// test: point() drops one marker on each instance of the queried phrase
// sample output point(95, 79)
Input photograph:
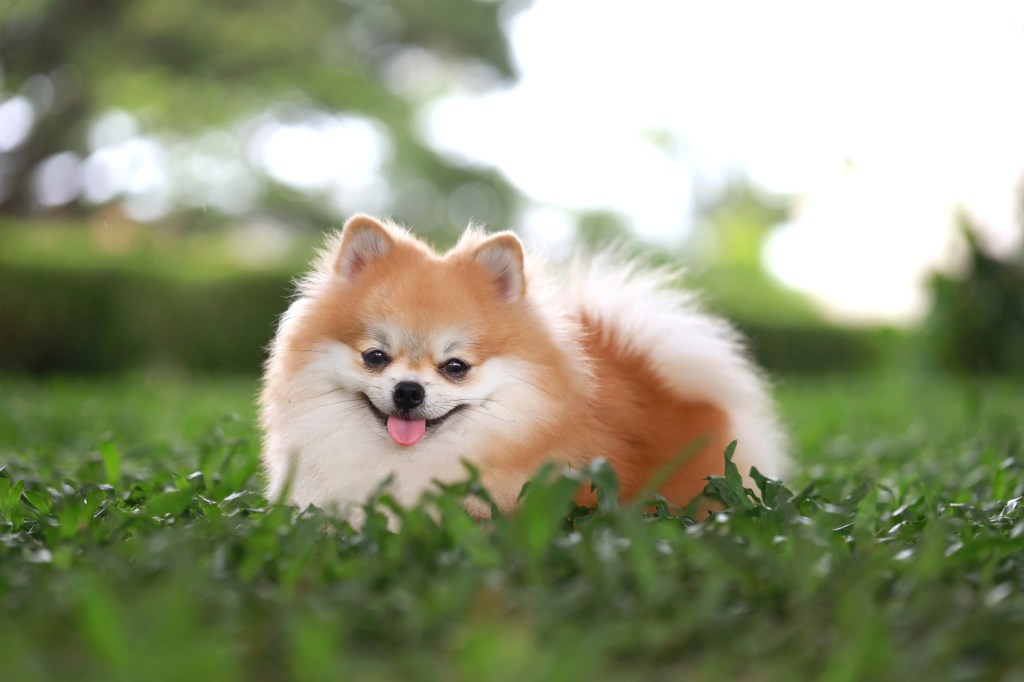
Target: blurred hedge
point(57, 319)
point(805, 348)
point(69, 320)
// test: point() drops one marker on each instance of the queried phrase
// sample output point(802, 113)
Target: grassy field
point(134, 545)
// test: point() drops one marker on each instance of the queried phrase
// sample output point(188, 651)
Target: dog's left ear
point(502, 257)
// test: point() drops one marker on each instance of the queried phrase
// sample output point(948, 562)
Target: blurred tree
point(976, 323)
point(598, 229)
point(738, 220)
point(187, 67)
point(728, 241)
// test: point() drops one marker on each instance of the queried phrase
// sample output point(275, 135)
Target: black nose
point(407, 395)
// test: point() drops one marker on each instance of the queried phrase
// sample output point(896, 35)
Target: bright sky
point(880, 117)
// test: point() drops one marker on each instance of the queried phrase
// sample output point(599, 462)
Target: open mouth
point(403, 430)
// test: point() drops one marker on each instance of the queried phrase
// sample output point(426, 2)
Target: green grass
point(134, 545)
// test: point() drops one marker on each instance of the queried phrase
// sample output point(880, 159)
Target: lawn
point(134, 545)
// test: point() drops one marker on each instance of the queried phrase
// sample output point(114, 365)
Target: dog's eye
point(375, 359)
point(454, 368)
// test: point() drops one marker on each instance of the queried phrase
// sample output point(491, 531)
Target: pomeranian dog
point(396, 361)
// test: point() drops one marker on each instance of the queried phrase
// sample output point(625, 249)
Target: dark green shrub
point(89, 320)
point(805, 348)
point(65, 320)
point(976, 323)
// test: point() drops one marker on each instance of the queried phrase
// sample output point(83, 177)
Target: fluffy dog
point(394, 360)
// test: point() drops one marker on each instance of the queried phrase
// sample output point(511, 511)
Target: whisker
point(508, 409)
point(539, 388)
point(336, 402)
point(488, 414)
point(320, 395)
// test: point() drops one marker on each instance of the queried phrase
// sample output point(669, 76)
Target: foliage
point(751, 294)
point(736, 222)
point(977, 319)
point(68, 305)
point(188, 67)
point(146, 553)
point(600, 229)
point(785, 332)
point(809, 348)
point(100, 320)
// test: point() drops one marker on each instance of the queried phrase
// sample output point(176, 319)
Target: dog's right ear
point(363, 239)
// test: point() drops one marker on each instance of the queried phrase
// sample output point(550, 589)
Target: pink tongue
point(406, 432)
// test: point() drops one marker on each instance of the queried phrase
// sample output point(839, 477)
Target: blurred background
point(846, 183)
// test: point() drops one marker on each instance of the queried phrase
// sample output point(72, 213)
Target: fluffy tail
point(699, 357)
